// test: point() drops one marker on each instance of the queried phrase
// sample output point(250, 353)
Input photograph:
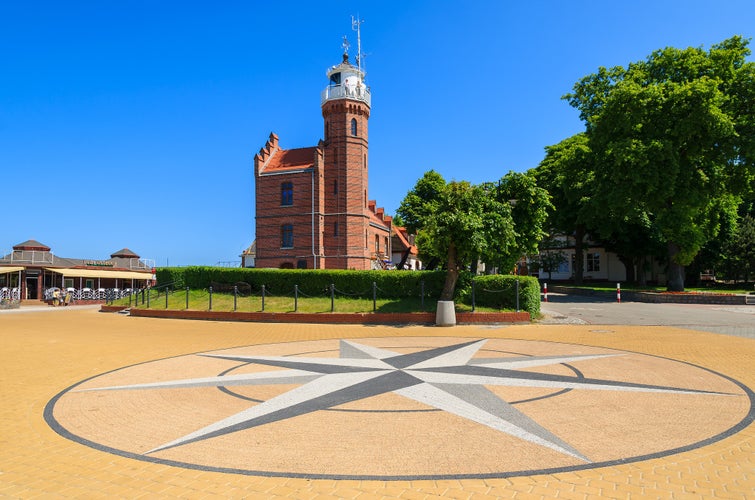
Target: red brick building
point(312, 205)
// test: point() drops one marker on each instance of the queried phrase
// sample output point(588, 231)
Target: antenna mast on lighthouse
point(356, 26)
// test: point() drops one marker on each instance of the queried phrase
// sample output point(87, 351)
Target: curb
point(427, 318)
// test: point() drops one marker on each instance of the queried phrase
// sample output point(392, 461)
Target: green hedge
point(490, 290)
point(499, 291)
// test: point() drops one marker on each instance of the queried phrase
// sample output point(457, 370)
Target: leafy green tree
point(675, 139)
point(530, 206)
point(456, 221)
point(567, 173)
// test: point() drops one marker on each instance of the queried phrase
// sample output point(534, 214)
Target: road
point(729, 320)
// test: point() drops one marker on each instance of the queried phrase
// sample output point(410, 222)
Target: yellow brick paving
point(48, 351)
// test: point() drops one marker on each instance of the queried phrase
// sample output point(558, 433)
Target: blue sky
point(133, 124)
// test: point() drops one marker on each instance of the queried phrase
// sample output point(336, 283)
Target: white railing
point(360, 93)
point(10, 293)
point(88, 293)
point(31, 256)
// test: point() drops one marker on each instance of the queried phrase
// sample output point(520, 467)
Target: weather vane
point(345, 45)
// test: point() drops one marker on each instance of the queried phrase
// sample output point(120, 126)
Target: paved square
point(523, 411)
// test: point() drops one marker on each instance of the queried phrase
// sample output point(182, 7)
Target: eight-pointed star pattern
point(446, 378)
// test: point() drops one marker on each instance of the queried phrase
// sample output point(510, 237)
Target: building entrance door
point(31, 288)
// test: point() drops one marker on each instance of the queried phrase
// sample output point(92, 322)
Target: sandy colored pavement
point(46, 352)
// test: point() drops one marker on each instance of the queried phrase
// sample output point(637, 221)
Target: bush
point(499, 291)
point(496, 291)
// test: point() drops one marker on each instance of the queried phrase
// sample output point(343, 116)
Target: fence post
point(422, 294)
point(263, 298)
point(517, 295)
point(149, 292)
point(210, 309)
point(473, 294)
point(618, 293)
point(187, 297)
point(166, 297)
point(296, 298)
point(332, 297)
point(235, 294)
point(545, 291)
point(374, 296)
point(129, 298)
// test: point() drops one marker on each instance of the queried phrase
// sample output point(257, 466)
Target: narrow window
point(287, 236)
point(335, 187)
point(335, 229)
point(593, 262)
point(287, 193)
point(377, 244)
point(354, 127)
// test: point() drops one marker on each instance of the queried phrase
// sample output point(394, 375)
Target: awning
point(5, 270)
point(102, 273)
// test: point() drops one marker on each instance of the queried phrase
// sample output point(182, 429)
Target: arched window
point(354, 127)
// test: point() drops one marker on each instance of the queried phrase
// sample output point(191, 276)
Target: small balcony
point(358, 93)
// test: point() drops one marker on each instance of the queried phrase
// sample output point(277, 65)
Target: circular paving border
point(403, 408)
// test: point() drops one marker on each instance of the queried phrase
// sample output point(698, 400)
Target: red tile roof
point(284, 160)
point(401, 234)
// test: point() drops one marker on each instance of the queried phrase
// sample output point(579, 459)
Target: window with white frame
point(593, 262)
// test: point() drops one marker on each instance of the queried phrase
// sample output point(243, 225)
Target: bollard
point(296, 298)
point(210, 309)
point(332, 297)
point(187, 297)
point(517, 295)
point(374, 296)
point(618, 293)
point(235, 295)
point(473, 295)
point(263, 298)
point(545, 292)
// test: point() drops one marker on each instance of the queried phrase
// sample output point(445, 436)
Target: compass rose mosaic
point(400, 408)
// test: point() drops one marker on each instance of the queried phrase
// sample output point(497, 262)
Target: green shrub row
point(497, 291)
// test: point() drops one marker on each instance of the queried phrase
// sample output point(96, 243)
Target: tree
point(456, 221)
point(530, 206)
point(566, 173)
point(675, 138)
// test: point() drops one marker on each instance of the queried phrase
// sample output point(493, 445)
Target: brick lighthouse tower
point(312, 204)
point(346, 112)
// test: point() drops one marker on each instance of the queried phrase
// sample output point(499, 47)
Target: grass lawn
point(199, 300)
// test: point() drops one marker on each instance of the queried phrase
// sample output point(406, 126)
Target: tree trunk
point(629, 268)
point(452, 274)
point(642, 277)
point(675, 282)
point(579, 258)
